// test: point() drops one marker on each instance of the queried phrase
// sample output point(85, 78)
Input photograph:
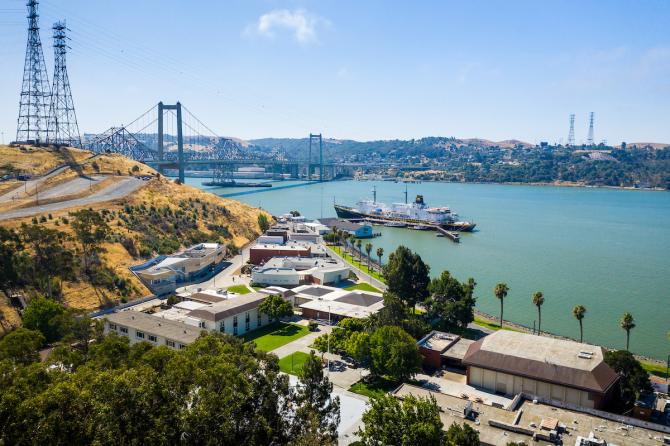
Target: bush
point(312, 325)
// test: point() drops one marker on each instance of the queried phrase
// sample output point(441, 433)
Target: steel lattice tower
point(62, 128)
point(590, 140)
point(35, 92)
point(571, 134)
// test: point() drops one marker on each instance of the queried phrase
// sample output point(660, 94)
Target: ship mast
point(405, 193)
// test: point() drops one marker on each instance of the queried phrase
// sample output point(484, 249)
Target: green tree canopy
point(394, 353)
point(462, 435)
point(407, 276)
point(263, 222)
point(275, 307)
point(91, 229)
point(408, 422)
point(451, 302)
point(21, 346)
point(634, 378)
point(44, 315)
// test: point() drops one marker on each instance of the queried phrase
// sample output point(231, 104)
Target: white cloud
point(299, 22)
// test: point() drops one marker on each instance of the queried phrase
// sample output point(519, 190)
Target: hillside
point(158, 218)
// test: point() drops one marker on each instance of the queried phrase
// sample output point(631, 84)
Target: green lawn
point(275, 335)
point(378, 387)
point(362, 266)
point(293, 363)
point(239, 289)
point(491, 325)
point(363, 287)
point(654, 368)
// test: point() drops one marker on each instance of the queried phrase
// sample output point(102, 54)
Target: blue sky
point(362, 69)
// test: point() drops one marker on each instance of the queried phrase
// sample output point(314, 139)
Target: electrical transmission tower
point(35, 93)
point(590, 140)
point(571, 134)
point(62, 128)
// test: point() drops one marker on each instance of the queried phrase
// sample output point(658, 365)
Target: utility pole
point(62, 126)
point(35, 90)
point(590, 139)
point(571, 134)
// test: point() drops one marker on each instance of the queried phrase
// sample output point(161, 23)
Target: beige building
point(234, 316)
point(510, 363)
point(139, 327)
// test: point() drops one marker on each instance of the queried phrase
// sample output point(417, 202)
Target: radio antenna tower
point(590, 140)
point(62, 128)
point(35, 93)
point(571, 134)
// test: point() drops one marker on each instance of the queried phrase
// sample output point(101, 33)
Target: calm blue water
point(608, 250)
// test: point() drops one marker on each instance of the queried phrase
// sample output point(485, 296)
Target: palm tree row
point(627, 322)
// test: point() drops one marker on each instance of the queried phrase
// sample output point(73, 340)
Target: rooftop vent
point(585, 355)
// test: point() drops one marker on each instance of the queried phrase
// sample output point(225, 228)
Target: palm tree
point(538, 300)
point(627, 323)
point(501, 291)
point(360, 251)
point(578, 312)
point(380, 253)
point(352, 243)
point(368, 248)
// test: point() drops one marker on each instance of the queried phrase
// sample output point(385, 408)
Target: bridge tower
point(313, 138)
point(180, 136)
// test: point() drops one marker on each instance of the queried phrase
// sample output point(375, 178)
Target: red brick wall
point(260, 255)
point(431, 358)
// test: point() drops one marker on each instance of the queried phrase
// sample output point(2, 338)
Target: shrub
point(312, 325)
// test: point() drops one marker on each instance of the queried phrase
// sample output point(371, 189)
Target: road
point(114, 191)
point(30, 185)
point(74, 186)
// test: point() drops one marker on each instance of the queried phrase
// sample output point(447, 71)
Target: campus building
point(235, 316)
point(163, 273)
point(262, 252)
point(509, 363)
point(139, 327)
point(294, 271)
point(440, 349)
point(328, 303)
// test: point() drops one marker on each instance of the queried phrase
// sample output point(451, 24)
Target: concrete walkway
point(365, 277)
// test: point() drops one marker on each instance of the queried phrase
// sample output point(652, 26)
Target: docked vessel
point(416, 214)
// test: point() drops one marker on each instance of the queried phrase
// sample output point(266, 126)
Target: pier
point(451, 235)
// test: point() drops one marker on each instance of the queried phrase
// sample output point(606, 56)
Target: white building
point(139, 327)
point(329, 303)
point(294, 271)
point(234, 316)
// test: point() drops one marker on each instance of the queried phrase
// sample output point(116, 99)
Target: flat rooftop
point(173, 330)
point(531, 418)
point(229, 307)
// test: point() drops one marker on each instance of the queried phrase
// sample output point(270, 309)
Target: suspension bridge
point(171, 137)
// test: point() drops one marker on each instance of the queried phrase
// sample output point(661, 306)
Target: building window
point(181, 346)
point(246, 322)
point(222, 327)
point(234, 321)
point(153, 338)
point(123, 330)
point(139, 334)
point(169, 343)
point(201, 324)
point(112, 326)
point(259, 321)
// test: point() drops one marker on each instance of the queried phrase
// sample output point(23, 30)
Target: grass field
point(362, 266)
point(273, 336)
point(293, 363)
point(375, 388)
point(659, 370)
point(491, 325)
point(363, 287)
point(239, 289)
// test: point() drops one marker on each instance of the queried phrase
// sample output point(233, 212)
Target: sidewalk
point(365, 277)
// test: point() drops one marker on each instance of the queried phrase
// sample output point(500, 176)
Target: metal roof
point(172, 330)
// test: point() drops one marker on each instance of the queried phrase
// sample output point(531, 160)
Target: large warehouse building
point(509, 363)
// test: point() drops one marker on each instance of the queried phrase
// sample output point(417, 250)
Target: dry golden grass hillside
point(160, 217)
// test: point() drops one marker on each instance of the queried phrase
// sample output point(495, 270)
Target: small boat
point(395, 224)
point(439, 234)
point(421, 227)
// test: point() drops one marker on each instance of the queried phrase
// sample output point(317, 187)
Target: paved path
point(120, 189)
point(74, 186)
point(361, 273)
point(30, 185)
point(301, 344)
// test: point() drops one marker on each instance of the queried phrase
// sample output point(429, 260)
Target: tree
point(357, 345)
point(627, 323)
point(538, 300)
point(634, 378)
point(368, 249)
point(91, 230)
point(407, 422)
point(578, 312)
point(295, 213)
point(275, 307)
point(500, 292)
point(43, 315)
point(451, 302)
point(360, 251)
point(9, 258)
point(313, 401)
point(21, 346)
point(380, 253)
point(407, 276)
point(393, 353)
point(462, 435)
point(263, 222)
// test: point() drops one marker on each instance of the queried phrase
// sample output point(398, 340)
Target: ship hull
point(351, 213)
